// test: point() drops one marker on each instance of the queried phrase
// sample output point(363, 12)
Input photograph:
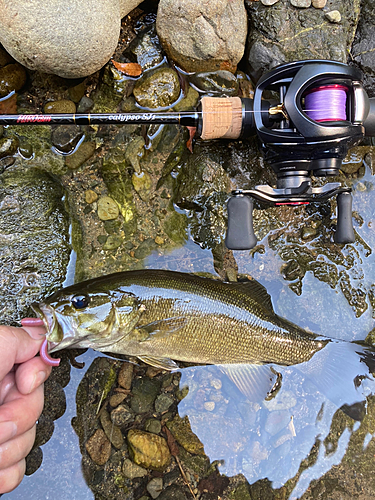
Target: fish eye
point(80, 301)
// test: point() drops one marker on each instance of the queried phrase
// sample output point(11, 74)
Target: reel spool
point(321, 112)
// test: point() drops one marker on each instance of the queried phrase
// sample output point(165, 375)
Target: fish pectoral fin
point(161, 328)
point(163, 363)
point(256, 382)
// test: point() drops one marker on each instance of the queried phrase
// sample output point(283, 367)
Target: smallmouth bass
point(167, 316)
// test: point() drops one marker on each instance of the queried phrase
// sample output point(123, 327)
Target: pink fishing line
point(46, 357)
point(326, 103)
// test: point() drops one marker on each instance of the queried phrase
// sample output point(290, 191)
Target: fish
point(163, 317)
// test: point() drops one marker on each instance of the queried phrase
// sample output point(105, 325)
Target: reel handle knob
point(344, 229)
point(240, 234)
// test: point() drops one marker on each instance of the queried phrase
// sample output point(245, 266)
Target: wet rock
point(34, 240)
point(111, 430)
point(200, 36)
point(216, 82)
point(296, 34)
point(99, 447)
point(80, 43)
point(66, 137)
point(158, 90)
point(60, 107)
point(155, 487)
point(146, 49)
point(269, 2)
point(174, 493)
point(113, 241)
point(144, 392)
point(181, 430)
point(81, 155)
point(118, 81)
point(189, 102)
point(122, 416)
point(363, 52)
point(131, 470)
point(12, 77)
point(8, 146)
point(125, 375)
point(148, 450)
point(145, 248)
point(107, 208)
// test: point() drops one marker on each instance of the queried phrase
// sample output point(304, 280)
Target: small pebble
point(116, 400)
point(159, 240)
point(153, 425)
point(333, 16)
point(125, 375)
point(268, 2)
point(90, 196)
point(107, 208)
point(131, 470)
point(301, 4)
point(155, 486)
point(209, 405)
point(216, 383)
point(99, 447)
point(62, 106)
point(319, 4)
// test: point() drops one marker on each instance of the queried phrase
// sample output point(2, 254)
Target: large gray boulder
point(203, 36)
point(67, 38)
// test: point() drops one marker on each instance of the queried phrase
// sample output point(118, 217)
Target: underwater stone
point(134, 152)
point(5, 58)
point(131, 470)
point(146, 49)
point(107, 208)
point(12, 77)
point(83, 153)
point(66, 137)
point(99, 447)
point(8, 146)
point(276, 421)
point(62, 106)
point(181, 430)
point(144, 392)
point(319, 4)
point(269, 2)
point(122, 415)
point(163, 403)
point(302, 4)
point(148, 450)
point(125, 375)
point(112, 432)
point(77, 92)
point(153, 425)
point(113, 241)
point(145, 248)
point(155, 486)
point(158, 90)
point(218, 82)
point(142, 183)
point(188, 102)
point(85, 105)
point(90, 196)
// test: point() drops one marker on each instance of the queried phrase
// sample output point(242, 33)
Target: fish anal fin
point(256, 382)
point(161, 328)
point(163, 363)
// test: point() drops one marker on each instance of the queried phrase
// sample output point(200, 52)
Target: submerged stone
point(62, 106)
point(107, 208)
point(99, 447)
point(158, 90)
point(148, 450)
point(217, 82)
point(12, 77)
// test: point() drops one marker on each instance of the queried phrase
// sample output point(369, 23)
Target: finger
point(18, 346)
point(13, 451)
point(31, 374)
point(11, 477)
point(22, 411)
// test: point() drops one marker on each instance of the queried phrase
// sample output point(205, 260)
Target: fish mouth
point(54, 334)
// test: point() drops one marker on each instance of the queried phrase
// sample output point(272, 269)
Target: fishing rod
point(306, 114)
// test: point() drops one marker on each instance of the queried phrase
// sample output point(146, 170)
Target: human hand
point(21, 399)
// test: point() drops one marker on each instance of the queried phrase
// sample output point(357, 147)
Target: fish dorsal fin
point(163, 363)
point(256, 291)
point(161, 328)
point(256, 382)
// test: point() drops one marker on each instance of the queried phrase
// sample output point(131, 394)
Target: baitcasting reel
point(322, 110)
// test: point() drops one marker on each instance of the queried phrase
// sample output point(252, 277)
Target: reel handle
point(344, 230)
point(240, 234)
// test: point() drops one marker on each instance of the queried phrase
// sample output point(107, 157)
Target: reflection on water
point(291, 437)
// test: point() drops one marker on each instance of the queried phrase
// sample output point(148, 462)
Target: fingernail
point(7, 431)
point(39, 378)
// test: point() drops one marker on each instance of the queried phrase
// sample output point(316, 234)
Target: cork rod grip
point(222, 118)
